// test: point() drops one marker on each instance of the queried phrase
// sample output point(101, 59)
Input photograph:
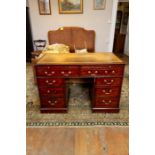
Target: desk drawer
point(50, 82)
point(48, 102)
point(52, 91)
point(107, 91)
point(101, 102)
point(101, 71)
point(57, 71)
point(108, 81)
point(104, 66)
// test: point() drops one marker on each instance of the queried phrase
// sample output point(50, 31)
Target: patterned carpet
point(79, 113)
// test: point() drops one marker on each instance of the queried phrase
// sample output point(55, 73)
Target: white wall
point(27, 3)
point(98, 20)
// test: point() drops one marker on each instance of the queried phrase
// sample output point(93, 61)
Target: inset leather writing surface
point(79, 59)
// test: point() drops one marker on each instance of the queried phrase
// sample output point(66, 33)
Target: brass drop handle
point(69, 72)
point(52, 103)
point(96, 72)
point(62, 72)
point(103, 101)
point(107, 92)
point(52, 91)
point(52, 72)
point(106, 102)
point(89, 72)
point(47, 73)
point(110, 82)
point(51, 82)
point(113, 72)
point(105, 72)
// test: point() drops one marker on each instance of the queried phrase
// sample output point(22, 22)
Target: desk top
point(79, 59)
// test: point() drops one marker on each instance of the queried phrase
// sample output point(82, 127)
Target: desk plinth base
point(106, 110)
point(45, 110)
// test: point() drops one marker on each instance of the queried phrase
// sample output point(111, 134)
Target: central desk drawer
point(57, 71)
point(107, 91)
point(50, 82)
point(49, 102)
point(52, 91)
point(107, 70)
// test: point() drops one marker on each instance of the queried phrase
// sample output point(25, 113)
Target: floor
point(77, 141)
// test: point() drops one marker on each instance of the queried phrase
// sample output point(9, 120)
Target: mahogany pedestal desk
point(104, 69)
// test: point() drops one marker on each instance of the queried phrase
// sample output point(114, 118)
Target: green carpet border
point(77, 124)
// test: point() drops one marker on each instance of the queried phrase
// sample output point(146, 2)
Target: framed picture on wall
point(70, 6)
point(99, 4)
point(44, 7)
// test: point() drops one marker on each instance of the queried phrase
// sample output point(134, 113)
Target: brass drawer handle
point(48, 91)
point(51, 82)
point(52, 72)
point(62, 72)
point(113, 72)
point(109, 82)
point(96, 72)
point(103, 101)
point(106, 72)
point(69, 72)
point(89, 72)
point(106, 102)
point(107, 92)
point(52, 103)
point(47, 73)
